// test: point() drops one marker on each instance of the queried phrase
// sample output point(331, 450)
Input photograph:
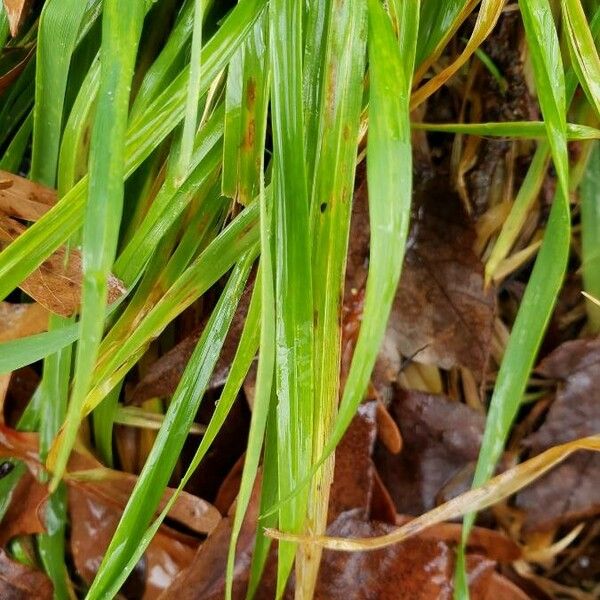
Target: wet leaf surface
point(204, 579)
point(421, 568)
point(25, 514)
point(18, 582)
point(354, 471)
point(572, 490)
point(441, 438)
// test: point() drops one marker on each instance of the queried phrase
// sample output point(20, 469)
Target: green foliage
point(231, 139)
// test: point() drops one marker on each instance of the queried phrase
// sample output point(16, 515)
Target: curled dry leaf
point(572, 490)
point(442, 314)
point(17, 11)
point(441, 439)
point(18, 582)
point(21, 320)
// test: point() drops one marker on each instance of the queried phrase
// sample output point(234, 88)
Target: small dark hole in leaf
point(323, 207)
point(5, 468)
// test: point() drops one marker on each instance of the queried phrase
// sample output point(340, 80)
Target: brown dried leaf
point(440, 438)
point(164, 375)
point(17, 11)
point(18, 582)
point(352, 486)
point(420, 568)
point(572, 490)
point(21, 320)
point(204, 579)
point(96, 505)
point(94, 519)
point(57, 283)
point(25, 513)
point(487, 542)
point(24, 199)
point(441, 314)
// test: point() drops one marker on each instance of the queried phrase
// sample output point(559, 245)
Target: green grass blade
point(120, 39)
point(170, 202)
point(268, 498)
point(294, 323)
point(590, 236)
point(391, 159)
point(517, 129)
point(263, 396)
point(528, 192)
point(178, 420)
point(246, 107)
point(335, 161)
point(72, 162)
point(240, 366)
point(205, 271)
point(190, 121)
point(169, 62)
point(389, 176)
point(59, 26)
point(584, 56)
point(546, 278)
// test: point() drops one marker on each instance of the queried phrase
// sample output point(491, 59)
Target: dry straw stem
point(497, 489)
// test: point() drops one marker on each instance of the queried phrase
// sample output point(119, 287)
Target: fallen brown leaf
point(24, 199)
point(352, 486)
point(95, 507)
point(164, 375)
point(572, 490)
point(204, 579)
point(440, 438)
point(420, 568)
point(16, 11)
point(21, 320)
point(441, 314)
point(18, 582)
point(56, 284)
point(25, 513)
